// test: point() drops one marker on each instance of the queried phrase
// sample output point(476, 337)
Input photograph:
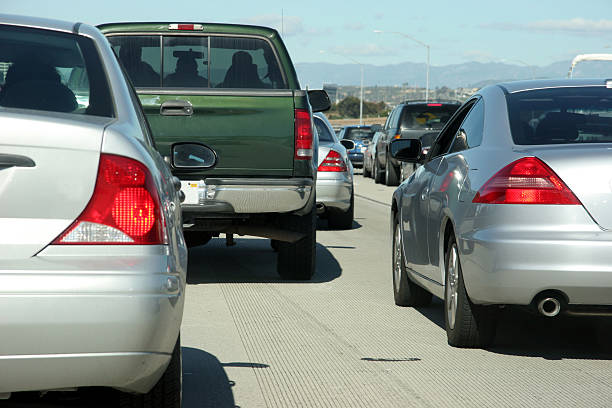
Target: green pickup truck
point(231, 90)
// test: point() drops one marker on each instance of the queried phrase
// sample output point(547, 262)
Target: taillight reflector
point(526, 181)
point(188, 27)
point(333, 162)
point(303, 135)
point(124, 208)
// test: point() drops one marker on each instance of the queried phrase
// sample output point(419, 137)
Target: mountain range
point(468, 74)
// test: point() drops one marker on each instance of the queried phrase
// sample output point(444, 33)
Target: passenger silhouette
point(141, 74)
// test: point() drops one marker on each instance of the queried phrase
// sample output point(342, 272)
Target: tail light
point(303, 135)
point(526, 181)
point(124, 209)
point(333, 162)
point(398, 136)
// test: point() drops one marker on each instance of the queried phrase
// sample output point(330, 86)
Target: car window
point(561, 116)
point(394, 118)
point(426, 116)
point(52, 71)
point(322, 130)
point(141, 58)
point(445, 138)
point(243, 63)
point(470, 133)
point(358, 134)
point(185, 62)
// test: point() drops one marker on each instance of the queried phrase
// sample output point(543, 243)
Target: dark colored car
point(362, 136)
point(408, 120)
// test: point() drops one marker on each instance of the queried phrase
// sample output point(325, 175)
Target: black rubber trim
point(75, 28)
point(259, 182)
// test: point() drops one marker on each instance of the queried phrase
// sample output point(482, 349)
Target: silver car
point(335, 197)
point(512, 206)
point(92, 256)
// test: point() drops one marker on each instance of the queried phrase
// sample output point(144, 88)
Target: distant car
point(408, 120)
point(511, 207)
point(335, 196)
point(361, 136)
point(92, 255)
point(369, 154)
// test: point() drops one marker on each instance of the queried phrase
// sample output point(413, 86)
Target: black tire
point(472, 326)
point(337, 219)
point(391, 174)
point(196, 238)
point(366, 171)
point(274, 244)
point(167, 393)
point(296, 261)
point(378, 175)
point(405, 291)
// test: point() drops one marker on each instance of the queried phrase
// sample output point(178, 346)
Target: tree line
point(349, 108)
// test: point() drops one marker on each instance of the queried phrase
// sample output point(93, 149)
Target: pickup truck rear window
point(179, 61)
point(52, 71)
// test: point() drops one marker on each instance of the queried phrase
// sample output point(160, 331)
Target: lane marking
point(372, 200)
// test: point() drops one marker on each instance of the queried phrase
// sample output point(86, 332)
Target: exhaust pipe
point(549, 306)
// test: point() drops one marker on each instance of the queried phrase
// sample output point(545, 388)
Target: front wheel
point(167, 393)
point(467, 325)
point(366, 171)
point(296, 261)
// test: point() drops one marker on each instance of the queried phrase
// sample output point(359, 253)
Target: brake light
point(434, 104)
point(333, 162)
point(398, 136)
point(188, 27)
point(303, 135)
point(124, 208)
point(526, 181)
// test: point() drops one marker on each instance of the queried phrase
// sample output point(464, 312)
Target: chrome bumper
point(246, 196)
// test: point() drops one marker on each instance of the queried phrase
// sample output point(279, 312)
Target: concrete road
point(251, 339)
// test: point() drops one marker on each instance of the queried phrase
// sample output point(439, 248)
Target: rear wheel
point(467, 325)
point(366, 171)
point(342, 219)
point(296, 261)
point(391, 174)
point(378, 175)
point(168, 391)
point(405, 291)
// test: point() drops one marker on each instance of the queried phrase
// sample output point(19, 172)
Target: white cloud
point(287, 25)
point(578, 26)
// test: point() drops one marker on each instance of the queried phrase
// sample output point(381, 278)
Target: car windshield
point(561, 116)
point(52, 71)
point(358, 134)
point(427, 116)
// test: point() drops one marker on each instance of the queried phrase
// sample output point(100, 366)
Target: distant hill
point(469, 74)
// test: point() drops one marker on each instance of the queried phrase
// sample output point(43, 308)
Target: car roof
point(206, 27)
point(37, 22)
point(522, 86)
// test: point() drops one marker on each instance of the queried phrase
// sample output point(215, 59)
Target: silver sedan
point(335, 197)
point(92, 256)
point(512, 206)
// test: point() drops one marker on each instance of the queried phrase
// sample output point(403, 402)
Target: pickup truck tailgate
point(252, 132)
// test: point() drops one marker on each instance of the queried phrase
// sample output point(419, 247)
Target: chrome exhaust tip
point(549, 306)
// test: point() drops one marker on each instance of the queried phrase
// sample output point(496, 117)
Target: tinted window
point(358, 134)
point(446, 137)
point(185, 62)
point(141, 58)
point(427, 116)
point(51, 71)
point(323, 131)
point(470, 133)
point(561, 116)
point(243, 63)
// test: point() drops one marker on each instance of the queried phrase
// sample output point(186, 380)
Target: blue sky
point(534, 32)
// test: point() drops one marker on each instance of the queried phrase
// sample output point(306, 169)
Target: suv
point(408, 120)
point(233, 89)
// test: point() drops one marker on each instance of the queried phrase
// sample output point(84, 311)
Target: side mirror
point(319, 100)
point(348, 144)
point(193, 156)
point(405, 150)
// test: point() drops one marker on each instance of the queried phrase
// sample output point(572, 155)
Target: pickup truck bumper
point(246, 196)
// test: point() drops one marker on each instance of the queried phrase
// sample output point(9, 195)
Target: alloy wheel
point(452, 283)
point(397, 258)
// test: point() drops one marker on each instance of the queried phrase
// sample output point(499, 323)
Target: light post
point(420, 43)
point(361, 89)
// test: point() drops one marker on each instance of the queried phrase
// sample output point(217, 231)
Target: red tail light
point(303, 135)
point(525, 181)
point(333, 162)
point(124, 209)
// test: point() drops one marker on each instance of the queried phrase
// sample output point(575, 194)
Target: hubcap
point(452, 280)
point(397, 258)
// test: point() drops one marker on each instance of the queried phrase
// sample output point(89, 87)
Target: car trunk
point(587, 171)
point(252, 132)
point(48, 168)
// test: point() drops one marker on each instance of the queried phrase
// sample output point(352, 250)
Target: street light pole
point(420, 43)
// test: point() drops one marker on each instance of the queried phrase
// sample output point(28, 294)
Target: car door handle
point(15, 160)
point(176, 108)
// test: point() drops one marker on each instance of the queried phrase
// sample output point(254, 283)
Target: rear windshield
point(52, 71)
point(172, 61)
point(358, 134)
point(561, 116)
point(426, 116)
point(323, 131)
